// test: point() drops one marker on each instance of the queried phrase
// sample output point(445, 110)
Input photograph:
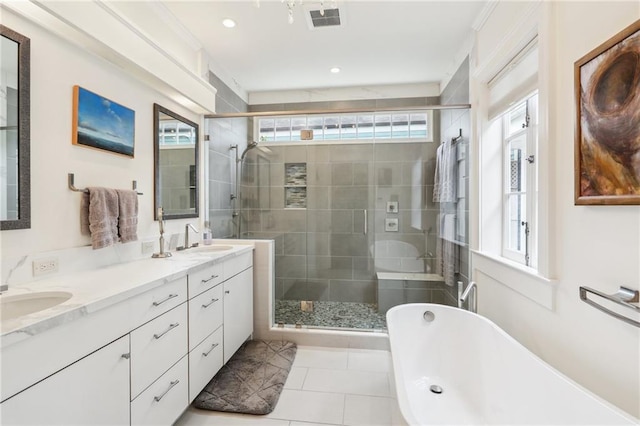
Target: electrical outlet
point(147, 247)
point(45, 266)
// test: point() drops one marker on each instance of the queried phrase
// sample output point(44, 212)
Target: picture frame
point(101, 123)
point(607, 123)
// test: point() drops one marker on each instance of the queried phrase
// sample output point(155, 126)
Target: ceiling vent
point(332, 17)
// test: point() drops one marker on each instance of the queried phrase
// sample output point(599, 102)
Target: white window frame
point(527, 257)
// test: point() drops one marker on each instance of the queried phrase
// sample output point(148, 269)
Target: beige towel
point(127, 215)
point(103, 217)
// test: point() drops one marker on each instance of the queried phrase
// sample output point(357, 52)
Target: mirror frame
point(24, 131)
point(157, 110)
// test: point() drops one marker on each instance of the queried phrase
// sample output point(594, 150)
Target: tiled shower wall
point(224, 132)
point(322, 252)
point(452, 122)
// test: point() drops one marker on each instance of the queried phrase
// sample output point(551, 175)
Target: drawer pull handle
point(169, 297)
point(171, 327)
point(210, 278)
point(125, 356)
point(206, 305)
point(227, 291)
point(171, 385)
point(215, 345)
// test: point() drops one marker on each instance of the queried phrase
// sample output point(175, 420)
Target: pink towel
point(103, 217)
point(127, 215)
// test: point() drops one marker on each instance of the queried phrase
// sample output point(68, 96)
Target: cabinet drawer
point(156, 346)
point(237, 264)
point(155, 302)
point(204, 362)
point(205, 315)
point(165, 400)
point(205, 279)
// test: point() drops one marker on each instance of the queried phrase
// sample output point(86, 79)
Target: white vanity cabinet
point(94, 390)
point(138, 361)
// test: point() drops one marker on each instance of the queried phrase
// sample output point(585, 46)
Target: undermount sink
point(212, 248)
point(24, 304)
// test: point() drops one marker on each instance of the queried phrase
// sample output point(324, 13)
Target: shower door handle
point(366, 222)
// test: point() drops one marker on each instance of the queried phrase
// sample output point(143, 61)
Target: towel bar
point(624, 297)
point(71, 180)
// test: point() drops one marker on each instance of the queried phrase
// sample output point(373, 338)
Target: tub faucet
point(464, 295)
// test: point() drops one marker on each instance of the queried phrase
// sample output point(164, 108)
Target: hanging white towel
point(444, 185)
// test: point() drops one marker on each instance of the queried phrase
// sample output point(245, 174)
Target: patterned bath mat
point(252, 380)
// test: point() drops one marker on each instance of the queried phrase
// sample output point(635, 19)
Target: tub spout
point(467, 296)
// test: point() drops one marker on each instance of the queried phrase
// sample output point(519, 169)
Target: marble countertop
point(100, 288)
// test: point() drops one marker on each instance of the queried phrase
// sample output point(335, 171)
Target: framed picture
point(607, 136)
point(101, 123)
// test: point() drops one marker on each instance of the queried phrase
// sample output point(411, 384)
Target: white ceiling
point(381, 42)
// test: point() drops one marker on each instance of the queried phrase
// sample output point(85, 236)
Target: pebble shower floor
point(363, 316)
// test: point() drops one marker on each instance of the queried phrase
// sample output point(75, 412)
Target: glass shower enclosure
point(354, 224)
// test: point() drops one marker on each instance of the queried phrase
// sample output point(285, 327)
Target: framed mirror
point(176, 164)
point(15, 175)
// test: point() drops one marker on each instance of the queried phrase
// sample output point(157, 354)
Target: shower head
point(247, 149)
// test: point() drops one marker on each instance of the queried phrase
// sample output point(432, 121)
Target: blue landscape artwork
point(101, 123)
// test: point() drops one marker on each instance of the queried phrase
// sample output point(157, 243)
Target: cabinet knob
point(227, 292)
point(125, 356)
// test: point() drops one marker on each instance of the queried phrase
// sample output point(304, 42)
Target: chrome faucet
point(161, 254)
point(464, 295)
point(186, 236)
point(428, 259)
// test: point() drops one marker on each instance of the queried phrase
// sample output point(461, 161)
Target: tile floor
point(326, 386)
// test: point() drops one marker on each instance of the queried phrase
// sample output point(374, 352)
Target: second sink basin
point(212, 248)
point(24, 304)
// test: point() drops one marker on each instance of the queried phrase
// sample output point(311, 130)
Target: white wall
point(596, 246)
point(56, 66)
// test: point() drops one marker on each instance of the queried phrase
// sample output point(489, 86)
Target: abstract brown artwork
point(607, 145)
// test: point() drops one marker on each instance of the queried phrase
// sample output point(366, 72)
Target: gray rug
point(252, 380)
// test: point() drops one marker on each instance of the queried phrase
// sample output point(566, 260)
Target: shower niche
point(295, 186)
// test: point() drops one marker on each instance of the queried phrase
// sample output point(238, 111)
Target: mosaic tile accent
point(295, 174)
point(363, 316)
point(295, 198)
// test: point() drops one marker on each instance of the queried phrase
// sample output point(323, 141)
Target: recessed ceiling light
point(335, 70)
point(229, 23)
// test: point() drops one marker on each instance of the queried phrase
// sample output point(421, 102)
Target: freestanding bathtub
point(483, 375)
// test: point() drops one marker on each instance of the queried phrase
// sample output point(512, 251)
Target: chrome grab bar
point(624, 297)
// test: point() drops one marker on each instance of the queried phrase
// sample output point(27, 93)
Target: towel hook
point(71, 182)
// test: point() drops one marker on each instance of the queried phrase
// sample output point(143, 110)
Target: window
point(400, 126)
point(520, 140)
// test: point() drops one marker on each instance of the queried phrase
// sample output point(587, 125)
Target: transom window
point(396, 125)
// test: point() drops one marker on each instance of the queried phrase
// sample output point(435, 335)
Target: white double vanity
point(132, 343)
